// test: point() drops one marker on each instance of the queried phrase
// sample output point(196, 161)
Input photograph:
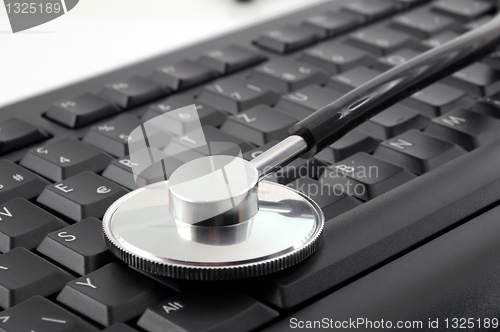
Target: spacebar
point(378, 231)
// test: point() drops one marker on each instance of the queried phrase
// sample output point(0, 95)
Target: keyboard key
point(287, 76)
point(440, 39)
point(113, 136)
point(235, 95)
point(304, 102)
point(287, 39)
point(365, 176)
point(468, 129)
point(371, 10)
point(410, 3)
point(194, 312)
point(23, 224)
point(462, 10)
point(393, 121)
point(194, 143)
point(16, 134)
point(418, 152)
point(395, 59)
point(379, 231)
point(335, 57)
point(437, 99)
point(132, 92)
point(352, 78)
point(40, 315)
point(379, 40)
point(477, 23)
point(351, 143)
point(81, 196)
point(80, 111)
point(331, 24)
point(298, 168)
point(230, 59)
point(113, 293)
point(119, 327)
point(65, 158)
point(259, 125)
point(181, 123)
point(478, 79)
point(488, 107)
point(24, 274)
point(422, 24)
point(16, 181)
point(121, 172)
point(79, 247)
point(183, 75)
point(333, 203)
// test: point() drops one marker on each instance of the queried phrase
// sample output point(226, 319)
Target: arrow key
point(40, 315)
point(84, 195)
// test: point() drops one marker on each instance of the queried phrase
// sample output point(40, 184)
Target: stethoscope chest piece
point(140, 228)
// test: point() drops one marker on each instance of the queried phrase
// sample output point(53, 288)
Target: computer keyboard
point(415, 241)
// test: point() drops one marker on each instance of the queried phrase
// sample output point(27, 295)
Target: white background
point(99, 35)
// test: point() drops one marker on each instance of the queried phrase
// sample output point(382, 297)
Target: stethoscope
point(185, 228)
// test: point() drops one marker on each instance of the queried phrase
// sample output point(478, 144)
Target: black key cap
point(365, 176)
point(351, 143)
point(80, 111)
point(371, 10)
point(333, 203)
point(335, 57)
point(81, 196)
point(375, 232)
point(113, 136)
point(179, 122)
point(113, 293)
point(351, 79)
point(478, 79)
point(41, 315)
point(379, 40)
point(468, 129)
point(235, 95)
point(16, 134)
point(298, 168)
point(287, 39)
point(183, 75)
point(331, 24)
point(65, 158)
point(488, 107)
point(393, 121)
point(119, 327)
point(462, 10)
point(24, 224)
point(395, 59)
point(470, 269)
point(230, 59)
point(303, 102)
point(16, 181)
point(418, 152)
point(440, 39)
point(79, 247)
point(477, 23)
point(198, 313)
point(410, 3)
point(259, 125)
point(24, 274)
point(422, 24)
point(437, 99)
point(286, 75)
point(195, 143)
point(133, 92)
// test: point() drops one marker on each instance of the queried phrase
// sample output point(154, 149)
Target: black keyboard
point(415, 244)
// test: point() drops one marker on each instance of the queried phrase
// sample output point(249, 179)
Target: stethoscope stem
point(279, 155)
